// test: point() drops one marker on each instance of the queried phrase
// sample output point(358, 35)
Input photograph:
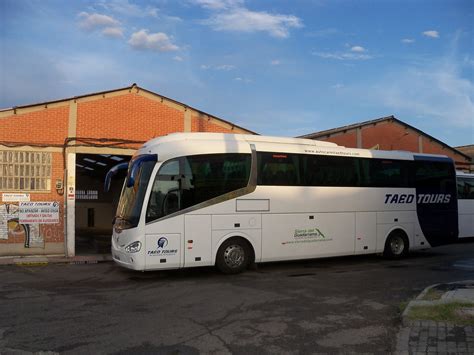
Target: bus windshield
point(131, 200)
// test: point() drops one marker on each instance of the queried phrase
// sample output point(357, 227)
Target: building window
point(25, 171)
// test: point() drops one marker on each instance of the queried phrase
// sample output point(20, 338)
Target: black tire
point(396, 245)
point(233, 256)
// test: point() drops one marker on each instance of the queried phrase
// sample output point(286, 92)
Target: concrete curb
point(55, 259)
point(419, 301)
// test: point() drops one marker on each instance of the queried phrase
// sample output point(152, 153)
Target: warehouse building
point(54, 157)
point(469, 151)
point(389, 133)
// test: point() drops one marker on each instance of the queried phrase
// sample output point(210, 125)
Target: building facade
point(469, 151)
point(54, 156)
point(389, 133)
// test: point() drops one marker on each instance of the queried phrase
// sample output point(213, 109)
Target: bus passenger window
point(465, 188)
point(278, 169)
point(187, 181)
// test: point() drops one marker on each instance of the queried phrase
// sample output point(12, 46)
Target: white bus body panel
point(169, 255)
point(296, 236)
point(365, 233)
point(466, 209)
point(466, 218)
point(197, 244)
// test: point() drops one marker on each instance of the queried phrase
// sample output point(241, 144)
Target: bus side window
point(328, 170)
point(279, 169)
point(465, 188)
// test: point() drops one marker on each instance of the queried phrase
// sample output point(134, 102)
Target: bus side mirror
point(135, 166)
point(111, 173)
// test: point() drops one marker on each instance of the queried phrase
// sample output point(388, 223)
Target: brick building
point(469, 151)
point(389, 133)
point(58, 153)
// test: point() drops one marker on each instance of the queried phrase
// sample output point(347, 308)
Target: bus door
point(163, 223)
point(436, 202)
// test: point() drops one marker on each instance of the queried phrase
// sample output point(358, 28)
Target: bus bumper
point(133, 261)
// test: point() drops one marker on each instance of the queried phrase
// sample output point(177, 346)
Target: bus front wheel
point(396, 245)
point(233, 256)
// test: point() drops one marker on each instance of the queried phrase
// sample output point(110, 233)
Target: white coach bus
point(196, 199)
point(465, 204)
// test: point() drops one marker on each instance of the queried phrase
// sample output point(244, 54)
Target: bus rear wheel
point(396, 246)
point(233, 256)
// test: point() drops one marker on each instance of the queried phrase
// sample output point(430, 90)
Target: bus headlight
point(133, 247)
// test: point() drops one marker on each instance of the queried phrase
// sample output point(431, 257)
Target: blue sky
point(276, 67)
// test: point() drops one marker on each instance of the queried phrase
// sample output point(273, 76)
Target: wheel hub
point(397, 245)
point(234, 256)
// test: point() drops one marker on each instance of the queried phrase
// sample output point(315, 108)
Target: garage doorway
point(95, 209)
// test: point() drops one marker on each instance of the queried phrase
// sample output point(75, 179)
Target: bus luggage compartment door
point(163, 251)
point(197, 243)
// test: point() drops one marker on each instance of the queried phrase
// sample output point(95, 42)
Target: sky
point(277, 67)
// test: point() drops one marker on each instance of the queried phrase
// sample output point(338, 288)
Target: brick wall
point(203, 124)
point(128, 116)
point(389, 136)
point(392, 136)
point(348, 139)
point(46, 125)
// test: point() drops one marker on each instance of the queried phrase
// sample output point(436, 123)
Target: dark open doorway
point(95, 208)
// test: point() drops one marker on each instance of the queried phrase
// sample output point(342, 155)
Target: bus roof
point(174, 143)
point(464, 174)
point(236, 137)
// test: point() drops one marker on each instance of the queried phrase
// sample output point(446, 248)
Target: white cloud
point(408, 40)
point(468, 61)
point(108, 25)
point(275, 62)
point(243, 80)
point(178, 58)
point(357, 49)
point(225, 67)
point(115, 32)
point(218, 4)
point(124, 7)
point(159, 41)
point(431, 33)
point(338, 86)
point(230, 16)
point(221, 67)
point(342, 56)
point(437, 91)
point(90, 22)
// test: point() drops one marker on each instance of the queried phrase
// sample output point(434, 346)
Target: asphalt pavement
point(338, 305)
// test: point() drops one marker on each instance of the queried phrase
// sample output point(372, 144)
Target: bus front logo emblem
point(162, 242)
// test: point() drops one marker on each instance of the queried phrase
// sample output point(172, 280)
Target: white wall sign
point(87, 194)
point(39, 212)
point(12, 197)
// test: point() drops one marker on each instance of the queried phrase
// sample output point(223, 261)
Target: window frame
point(361, 167)
point(463, 196)
point(250, 186)
point(14, 165)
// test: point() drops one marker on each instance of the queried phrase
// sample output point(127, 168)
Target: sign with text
point(39, 212)
point(15, 197)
